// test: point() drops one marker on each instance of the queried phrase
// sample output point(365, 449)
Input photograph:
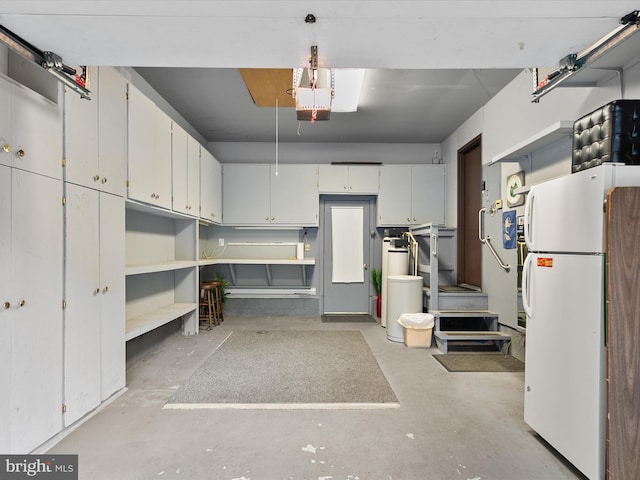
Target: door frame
point(357, 200)
point(463, 205)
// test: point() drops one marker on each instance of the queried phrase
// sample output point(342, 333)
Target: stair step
point(444, 337)
point(464, 313)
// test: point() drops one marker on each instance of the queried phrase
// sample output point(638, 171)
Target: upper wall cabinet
point(411, 195)
point(210, 187)
point(30, 131)
point(260, 195)
point(95, 133)
point(149, 151)
point(348, 179)
point(185, 167)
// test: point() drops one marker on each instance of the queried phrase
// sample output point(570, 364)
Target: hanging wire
point(276, 136)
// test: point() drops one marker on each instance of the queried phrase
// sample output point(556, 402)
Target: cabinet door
point(333, 178)
point(363, 179)
point(193, 175)
point(179, 168)
point(112, 132)
point(394, 200)
point(36, 134)
point(36, 349)
point(210, 188)
point(6, 155)
point(112, 296)
point(294, 195)
point(245, 194)
point(427, 194)
point(5, 313)
point(81, 137)
point(149, 155)
point(82, 313)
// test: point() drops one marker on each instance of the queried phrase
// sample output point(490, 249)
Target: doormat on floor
point(346, 318)
point(480, 362)
point(275, 369)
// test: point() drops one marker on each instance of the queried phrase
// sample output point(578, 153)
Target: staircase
point(462, 318)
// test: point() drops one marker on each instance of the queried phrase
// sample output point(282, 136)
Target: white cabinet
point(95, 133)
point(294, 195)
point(411, 195)
point(94, 313)
point(254, 195)
point(348, 179)
point(30, 310)
point(185, 166)
point(30, 131)
point(149, 151)
point(161, 270)
point(210, 187)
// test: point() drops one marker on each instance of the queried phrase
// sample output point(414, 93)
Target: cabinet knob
point(105, 289)
point(414, 219)
point(6, 147)
point(20, 153)
point(350, 187)
point(213, 215)
point(345, 187)
point(273, 218)
point(96, 178)
point(104, 179)
point(22, 303)
point(6, 305)
point(408, 219)
point(267, 219)
point(96, 291)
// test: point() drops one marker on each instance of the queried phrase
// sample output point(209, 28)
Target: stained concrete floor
point(450, 426)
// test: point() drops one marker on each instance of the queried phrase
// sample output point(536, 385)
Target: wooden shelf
point(160, 267)
point(541, 139)
point(144, 323)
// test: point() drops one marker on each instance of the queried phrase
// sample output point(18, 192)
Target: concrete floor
point(464, 426)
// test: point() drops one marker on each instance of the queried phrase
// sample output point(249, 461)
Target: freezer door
point(566, 214)
point(565, 389)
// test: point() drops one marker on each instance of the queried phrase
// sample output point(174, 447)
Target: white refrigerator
point(564, 299)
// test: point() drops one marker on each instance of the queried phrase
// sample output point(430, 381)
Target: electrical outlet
point(221, 242)
point(307, 247)
point(498, 204)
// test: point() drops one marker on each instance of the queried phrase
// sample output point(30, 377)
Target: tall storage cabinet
point(31, 309)
point(94, 314)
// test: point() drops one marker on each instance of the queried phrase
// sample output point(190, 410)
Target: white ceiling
point(431, 63)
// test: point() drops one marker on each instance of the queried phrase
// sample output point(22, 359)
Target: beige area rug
point(480, 362)
point(273, 369)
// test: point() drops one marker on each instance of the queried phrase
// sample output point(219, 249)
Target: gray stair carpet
point(288, 369)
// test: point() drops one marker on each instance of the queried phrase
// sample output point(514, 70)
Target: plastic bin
point(418, 328)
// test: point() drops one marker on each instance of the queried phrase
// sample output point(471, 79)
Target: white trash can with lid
point(404, 294)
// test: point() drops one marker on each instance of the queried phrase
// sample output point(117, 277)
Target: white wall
point(506, 120)
point(264, 152)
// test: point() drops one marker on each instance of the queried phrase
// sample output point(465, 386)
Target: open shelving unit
point(161, 270)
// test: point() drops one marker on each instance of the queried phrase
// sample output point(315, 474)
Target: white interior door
point(347, 248)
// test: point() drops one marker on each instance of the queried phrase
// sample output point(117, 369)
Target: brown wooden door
point(469, 203)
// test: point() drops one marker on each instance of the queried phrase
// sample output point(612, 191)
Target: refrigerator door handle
point(526, 272)
point(528, 217)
